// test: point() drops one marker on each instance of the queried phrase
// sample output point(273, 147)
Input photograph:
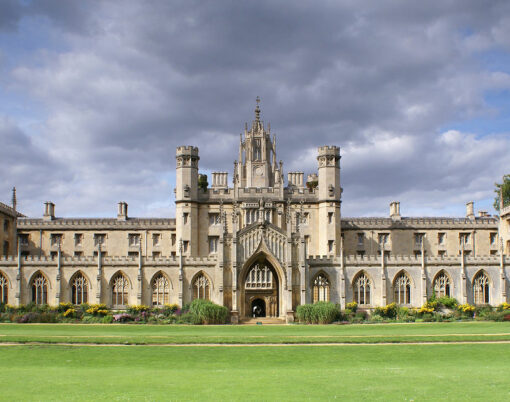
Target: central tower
point(257, 155)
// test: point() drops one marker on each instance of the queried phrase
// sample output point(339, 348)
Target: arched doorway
point(261, 290)
point(258, 308)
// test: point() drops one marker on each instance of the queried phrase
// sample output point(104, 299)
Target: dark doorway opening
point(258, 308)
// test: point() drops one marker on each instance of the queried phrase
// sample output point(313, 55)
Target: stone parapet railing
point(419, 223)
point(96, 223)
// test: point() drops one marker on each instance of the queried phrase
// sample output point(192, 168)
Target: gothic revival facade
point(258, 247)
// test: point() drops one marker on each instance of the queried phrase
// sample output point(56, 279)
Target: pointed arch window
point(40, 289)
point(442, 285)
point(481, 291)
point(362, 290)
point(320, 289)
point(160, 290)
point(120, 288)
point(4, 286)
point(201, 288)
point(79, 290)
point(402, 289)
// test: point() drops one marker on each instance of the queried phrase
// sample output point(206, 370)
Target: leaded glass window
point(320, 288)
point(362, 289)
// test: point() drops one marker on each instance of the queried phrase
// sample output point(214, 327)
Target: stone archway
point(258, 308)
point(260, 288)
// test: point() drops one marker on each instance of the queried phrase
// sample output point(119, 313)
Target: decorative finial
point(14, 200)
point(257, 109)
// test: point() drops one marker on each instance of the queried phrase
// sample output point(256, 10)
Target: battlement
point(187, 150)
point(329, 150)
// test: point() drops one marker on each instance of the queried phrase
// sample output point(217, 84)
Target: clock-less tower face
point(258, 171)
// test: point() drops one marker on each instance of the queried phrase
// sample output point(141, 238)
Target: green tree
point(502, 188)
point(202, 181)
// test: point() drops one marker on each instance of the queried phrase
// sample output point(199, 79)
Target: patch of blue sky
point(495, 120)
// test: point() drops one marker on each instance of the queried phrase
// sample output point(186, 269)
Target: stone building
point(260, 245)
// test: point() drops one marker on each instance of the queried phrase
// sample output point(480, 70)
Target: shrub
point(353, 306)
point(208, 312)
point(123, 317)
point(317, 313)
point(504, 306)
point(388, 311)
point(63, 307)
point(108, 319)
point(448, 302)
point(97, 310)
point(70, 313)
point(138, 308)
point(466, 310)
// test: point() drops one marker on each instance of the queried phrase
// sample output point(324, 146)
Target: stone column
point(58, 285)
point(99, 275)
point(140, 276)
point(463, 286)
point(18, 278)
point(181, 278)
point(383, 279)
point(423, 276)
point(343, 289)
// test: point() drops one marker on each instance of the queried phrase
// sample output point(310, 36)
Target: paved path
point(249, 344)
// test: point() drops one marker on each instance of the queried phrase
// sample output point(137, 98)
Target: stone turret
point(186, 180)
point(329, 173)
point(329, 194)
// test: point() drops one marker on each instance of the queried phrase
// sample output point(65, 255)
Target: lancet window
point(201, 288)
point(259, 277)
point(160, 290)
point(362, 289)
point(320, 288)
point(402, 289)
point(40, 289)
point(481, 289)
point(79, 290)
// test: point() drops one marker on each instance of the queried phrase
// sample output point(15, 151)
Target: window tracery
point(362, 289)
point(160, 290)
point(120, 286)
point(4, 286)
point(40, 289)
point(442, 285)
point(79, 290)
point(259, 277)
point(201, 288)
point(481, 289)
point(402, 289)
point(321, 289)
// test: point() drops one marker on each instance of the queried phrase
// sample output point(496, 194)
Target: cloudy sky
point(95, 96)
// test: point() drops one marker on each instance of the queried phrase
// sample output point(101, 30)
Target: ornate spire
point(257, 110)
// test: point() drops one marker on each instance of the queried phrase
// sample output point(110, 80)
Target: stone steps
point(263, 320)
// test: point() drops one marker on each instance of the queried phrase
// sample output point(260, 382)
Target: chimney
point(122, 214)
point(49, 211)
point(470, 210)
point(483, 214)
point(395, 210)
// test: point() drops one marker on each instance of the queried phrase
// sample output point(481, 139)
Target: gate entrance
point(261, 290)
point(258, 308)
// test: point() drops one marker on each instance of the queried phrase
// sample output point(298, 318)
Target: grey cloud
point(141, 78)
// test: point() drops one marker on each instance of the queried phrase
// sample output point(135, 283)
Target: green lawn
point(353, 372)
point(163, 334)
